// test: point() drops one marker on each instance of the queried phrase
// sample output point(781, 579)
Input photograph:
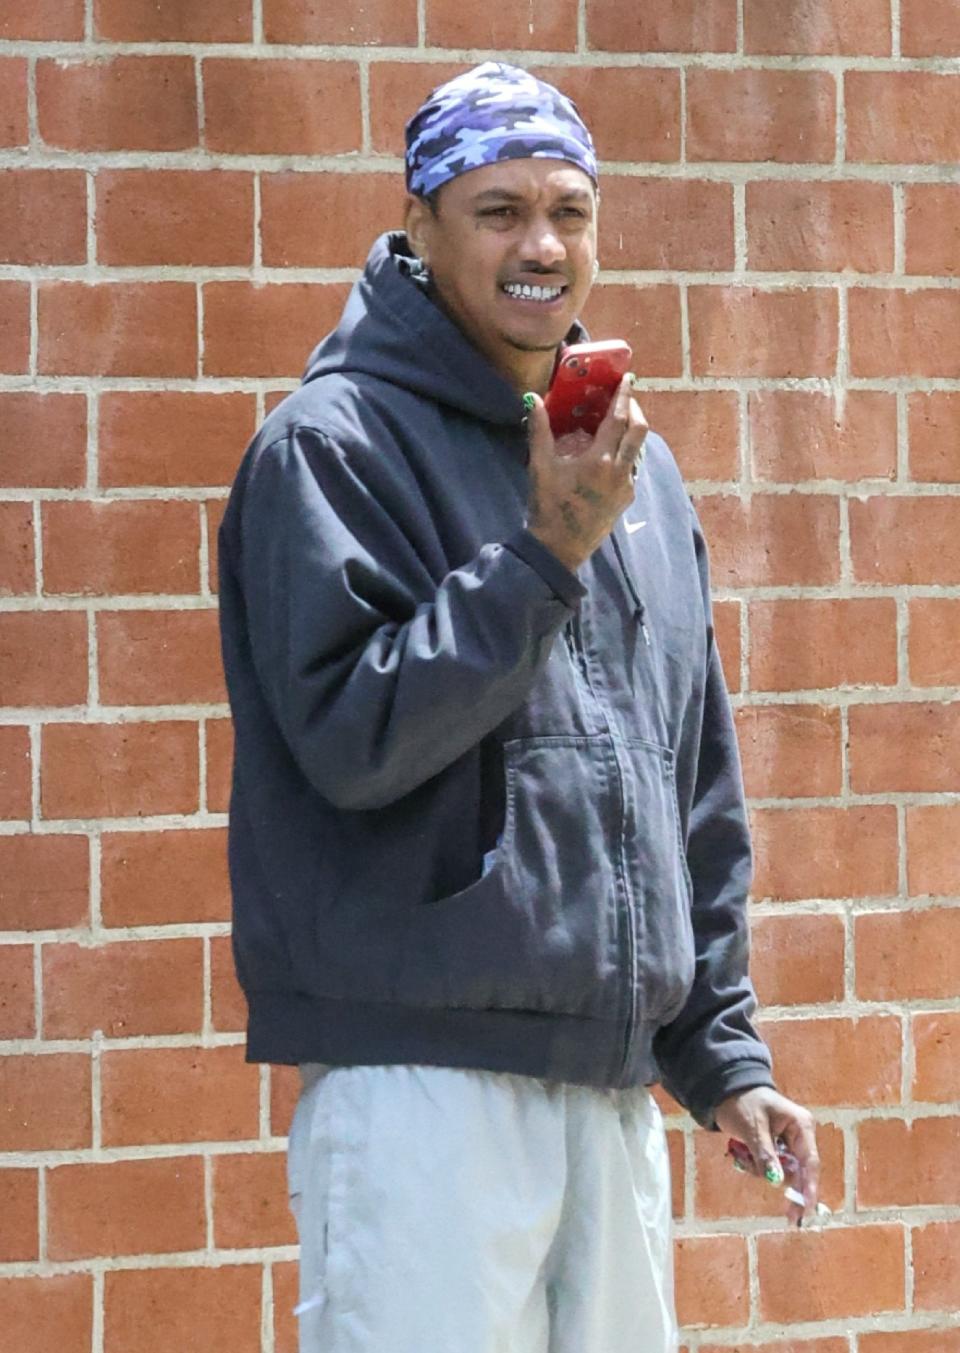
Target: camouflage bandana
point(493, 112)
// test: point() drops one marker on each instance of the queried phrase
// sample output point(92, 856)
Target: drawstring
point(639, 609)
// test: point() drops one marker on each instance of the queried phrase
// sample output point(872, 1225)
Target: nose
point(541, 244)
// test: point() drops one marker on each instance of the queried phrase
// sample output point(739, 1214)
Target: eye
point(498, 211)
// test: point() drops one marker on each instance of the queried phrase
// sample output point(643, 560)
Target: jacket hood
point(392, 329)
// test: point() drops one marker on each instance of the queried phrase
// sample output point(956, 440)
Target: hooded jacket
point(485, 812)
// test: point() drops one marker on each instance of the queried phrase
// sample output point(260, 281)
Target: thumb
point(764, 1152)
point(539, 434)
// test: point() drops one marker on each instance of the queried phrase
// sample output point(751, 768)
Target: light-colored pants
point(450, 1211)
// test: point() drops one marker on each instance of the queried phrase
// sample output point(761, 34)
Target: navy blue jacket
point(485, 812)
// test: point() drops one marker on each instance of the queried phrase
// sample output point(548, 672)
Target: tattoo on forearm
point(588, 495)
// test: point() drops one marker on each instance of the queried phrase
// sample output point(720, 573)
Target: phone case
point(584, 383)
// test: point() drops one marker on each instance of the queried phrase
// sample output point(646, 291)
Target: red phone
point(584, 383)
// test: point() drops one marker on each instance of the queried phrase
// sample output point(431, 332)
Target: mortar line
point(366, 139)
point(95, 855)
point(34, 344)
point(33, 729)
point(257, 28)
point(38, 988)
point(207, 1025)
point(92, 702)
point(895, 28)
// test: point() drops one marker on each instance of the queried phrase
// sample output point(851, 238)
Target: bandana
point(493, 112)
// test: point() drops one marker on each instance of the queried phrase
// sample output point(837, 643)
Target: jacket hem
point(292, 1029)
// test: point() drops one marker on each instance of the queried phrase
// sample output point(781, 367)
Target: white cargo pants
point(450, 1211)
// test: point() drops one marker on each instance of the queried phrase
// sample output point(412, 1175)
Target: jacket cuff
point(557, 576)
point(731, 1079)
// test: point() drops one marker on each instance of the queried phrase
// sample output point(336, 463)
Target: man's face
point(502, 228)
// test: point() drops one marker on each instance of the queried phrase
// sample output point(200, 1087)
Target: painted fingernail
point(740, 1169)
point(774, 1175)
point(632, 377)
point(528, 401)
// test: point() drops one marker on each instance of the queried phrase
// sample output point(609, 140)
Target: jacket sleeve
point(377, 676)
point(711, 1049)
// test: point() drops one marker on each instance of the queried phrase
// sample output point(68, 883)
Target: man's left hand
point(760, 1116)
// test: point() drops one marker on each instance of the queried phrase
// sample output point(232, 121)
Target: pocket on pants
point(308, 1187)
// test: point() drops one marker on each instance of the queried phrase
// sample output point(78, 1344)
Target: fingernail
point(528, 400)
point(774, 1175)
point(740, 1169)
point(632, 377)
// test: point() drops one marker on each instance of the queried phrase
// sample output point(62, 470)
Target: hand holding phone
point(584, 383)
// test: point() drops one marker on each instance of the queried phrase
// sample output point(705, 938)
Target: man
point(487, 837)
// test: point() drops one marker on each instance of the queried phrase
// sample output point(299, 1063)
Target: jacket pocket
point(658, 879)
point(541, 928)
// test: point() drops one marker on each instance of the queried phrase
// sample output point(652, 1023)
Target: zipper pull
point(640, 612)
point(646, 634)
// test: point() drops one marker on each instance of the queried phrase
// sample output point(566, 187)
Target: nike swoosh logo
point(633, 526)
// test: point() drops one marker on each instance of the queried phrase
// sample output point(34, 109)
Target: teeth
point(529, 293)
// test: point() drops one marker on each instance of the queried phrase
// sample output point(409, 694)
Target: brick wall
point(186, 191)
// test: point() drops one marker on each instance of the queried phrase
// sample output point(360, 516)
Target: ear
point(416, 219)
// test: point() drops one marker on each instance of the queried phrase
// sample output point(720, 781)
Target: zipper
point(639, 610)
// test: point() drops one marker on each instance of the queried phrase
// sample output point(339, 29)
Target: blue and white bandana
point(493, 112)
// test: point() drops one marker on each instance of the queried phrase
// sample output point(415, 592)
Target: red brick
point(902, 117)
point(933, 849)
point(905, 333)
point(14, 776)
point(16, 547)
point(904, 1341)
point(816, 643)
point(746, 331)
point(14, 327)
point(722, 1192)
point(156, 1310)
point(164, 878)
point(42, 21)
point(726, 621)
point(119, 770)
point(44, 440)
point(258, 106)
point(908, 955)
point(929, 28)
point(44, 1103)
point(826, 28)
point(807, 434)
point(911, 747)
point(43, 216)
point(159, 658)
point(936, 1259)
point(837, 1061)
point(677, 1153)
point(20, 1209)
point(632, 113)
point(266, 330)
point(286, 1294)
point(648, 318)
point(355, 208)
point(48, 1315)
point(934, 428)
point(124, 988)
point(126, 1207)
point(172, 438)
point(120, 546)
point(14, 129)
point(284, 1093)
point(662, 26)
point(712, 1286)
point(378, 23)
point(173, 216)
point(899, 539)
point(825, 852)
point(701, 428)
point(544, 25)
point(908, 1164)
point(27, 640)
point(44, 881)
point(666, 224)
point(797, 960)
point(820, 227)
point(789, 751)
point(118, 103)
point(117, 329)
point(172, 21)
point(837, 1345)
point(227, 998)
point(934, 641)
point(933, 232)
point(806, 1275)
point(936, 1042)
point(774, 540)
point(178, 1095)
point(780, 115)
point(219, 764)
point(16, 993)
point(213, 509)
point(250, 1208)
point(397, 88)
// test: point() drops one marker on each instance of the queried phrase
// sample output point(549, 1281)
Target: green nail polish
point(632, 377)
point(528, 401)
point(774, 1175)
